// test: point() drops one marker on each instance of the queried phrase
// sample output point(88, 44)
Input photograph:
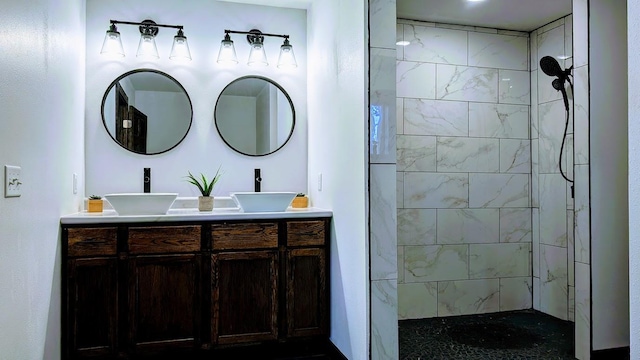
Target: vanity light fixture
point(257, 55)
point(112, 44)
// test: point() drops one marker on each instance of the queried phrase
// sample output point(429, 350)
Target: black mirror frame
point(293, 113)
point(113, 84)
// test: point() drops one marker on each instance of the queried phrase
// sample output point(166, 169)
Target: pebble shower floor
point(526, 334)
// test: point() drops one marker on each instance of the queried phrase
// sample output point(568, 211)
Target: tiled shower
point(485, 220)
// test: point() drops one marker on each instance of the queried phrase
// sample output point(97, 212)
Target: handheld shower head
point(550, 66)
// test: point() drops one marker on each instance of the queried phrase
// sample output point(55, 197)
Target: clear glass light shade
point(180, 48)
point(287, 60)
point(147, 47)
point(112, 45)
point(257, 56)
point(227, 53)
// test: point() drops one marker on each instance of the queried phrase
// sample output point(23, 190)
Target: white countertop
point(192, 214)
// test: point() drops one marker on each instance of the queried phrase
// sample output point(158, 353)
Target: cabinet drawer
point(92, 241)
point(244, 236)
point(306, 233)
point(164, 239)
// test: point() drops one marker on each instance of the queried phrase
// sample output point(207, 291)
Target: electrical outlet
point(12, 181)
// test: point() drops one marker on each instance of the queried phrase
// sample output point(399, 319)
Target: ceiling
point(522, 15)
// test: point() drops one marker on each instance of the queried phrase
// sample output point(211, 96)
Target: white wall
point(633, 43)
point(337, 118)
point(42, 102)
point(111, 168)
point(609, 169)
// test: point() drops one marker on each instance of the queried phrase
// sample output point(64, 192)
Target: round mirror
point(146, 111)
point(254, 116)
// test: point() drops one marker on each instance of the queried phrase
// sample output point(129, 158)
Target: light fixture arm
point(147, 27)
point(254, 33)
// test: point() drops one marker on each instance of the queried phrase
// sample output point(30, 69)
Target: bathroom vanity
point(198, 282)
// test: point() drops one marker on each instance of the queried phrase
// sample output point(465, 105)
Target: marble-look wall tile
point(572, 304)
point(436, 191)
point(514, 87)
point(382, 17)
point(399, 116)
point(457, 154)
point(582, 234)
point(498, 190)
point(552, 25)
point(580, 33)
point(498, 51)
point(400, 264)
point(468, 226)
point(553, 281)
point(534, 104)
point(515, 225)
point(581, 115)
point(384, 306)
point(535, 238)
point(499, 120)
point(416, 226)
point(466, 83)
point(551, 118)
point(399, 37)
point(535, 174)
point(488, 261)
point(570, 249)
point(399, 190)
point(550, 43)
point(568, 169)
point(468, 297)
point(416, 80)
point(533, 52)
point(384, 224)
point(536, 294)
point(417, 300)
point(382, 96)
point(436, 263)
point(515, 156)
point(459, 27)
point(515, 293)
point(583, 311)
point(568, 36)
point(435, 117)
point(553, 223)
point(435, 45)
point(416, 153)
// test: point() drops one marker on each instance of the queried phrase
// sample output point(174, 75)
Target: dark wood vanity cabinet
point(132, 289)
point(90, 289)
point(163, 288)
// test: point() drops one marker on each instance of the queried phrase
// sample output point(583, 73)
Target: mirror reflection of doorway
point(131, 123)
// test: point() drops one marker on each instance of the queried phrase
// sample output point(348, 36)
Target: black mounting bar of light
point(147, 47)
point(257, 55)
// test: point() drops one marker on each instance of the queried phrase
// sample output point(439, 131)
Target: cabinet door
point(306, 292)
point(164, 302)
point(245, 296)
point(91, 308)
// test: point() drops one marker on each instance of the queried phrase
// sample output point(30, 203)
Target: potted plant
point(300, 201)
point(95, 203)
point(205, 201)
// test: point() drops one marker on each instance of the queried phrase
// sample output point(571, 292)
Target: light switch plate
point(12, 181)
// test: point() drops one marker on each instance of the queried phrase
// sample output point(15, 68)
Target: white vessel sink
point(141, 203)
point(263, 201)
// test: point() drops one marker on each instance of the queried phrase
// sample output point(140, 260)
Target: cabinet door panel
point(164, 301)
point(91, 307)
point(245, 297)
point(306, 292)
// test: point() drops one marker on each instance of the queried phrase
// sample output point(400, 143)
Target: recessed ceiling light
point(403, 43)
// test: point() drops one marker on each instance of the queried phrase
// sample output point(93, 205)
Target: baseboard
point(622, 353)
